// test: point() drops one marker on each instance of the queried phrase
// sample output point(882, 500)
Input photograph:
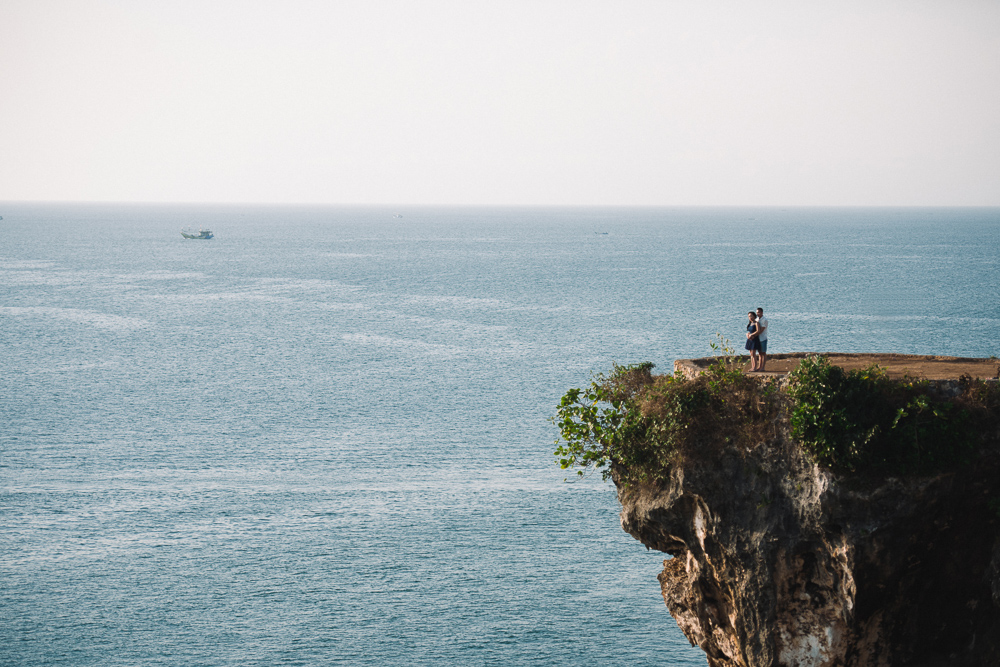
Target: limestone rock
point(777, 561)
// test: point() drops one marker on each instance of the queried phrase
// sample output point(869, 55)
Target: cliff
point(778, 559)
point(840, 514)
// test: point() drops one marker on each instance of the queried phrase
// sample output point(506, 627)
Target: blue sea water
point(323, 436)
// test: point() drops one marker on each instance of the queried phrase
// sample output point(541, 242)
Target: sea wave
point(401, 343)
point(93, 318)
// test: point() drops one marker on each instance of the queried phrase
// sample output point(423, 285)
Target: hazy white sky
point(535, 102)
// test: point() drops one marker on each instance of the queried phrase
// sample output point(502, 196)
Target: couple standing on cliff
point(757, 339)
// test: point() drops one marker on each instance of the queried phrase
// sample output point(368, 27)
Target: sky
point(501, 103)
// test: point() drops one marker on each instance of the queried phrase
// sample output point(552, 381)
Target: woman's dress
point(752, 343)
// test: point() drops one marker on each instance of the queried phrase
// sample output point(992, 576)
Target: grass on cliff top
point(639, 424)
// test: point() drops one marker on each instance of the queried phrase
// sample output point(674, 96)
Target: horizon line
point(119, 202)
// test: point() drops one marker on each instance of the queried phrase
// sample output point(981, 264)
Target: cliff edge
point(778, 559)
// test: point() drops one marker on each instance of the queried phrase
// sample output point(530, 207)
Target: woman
point(753, 343)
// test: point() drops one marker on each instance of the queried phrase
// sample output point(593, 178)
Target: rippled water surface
point(322, 437)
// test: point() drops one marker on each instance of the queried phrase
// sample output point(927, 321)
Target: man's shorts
point(763, 347)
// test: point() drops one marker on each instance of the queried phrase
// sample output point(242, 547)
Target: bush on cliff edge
point(638, 425)
point(861, 420)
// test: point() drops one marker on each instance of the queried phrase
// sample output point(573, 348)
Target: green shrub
point(599, 423)
point(862, 420)
point(639, 424)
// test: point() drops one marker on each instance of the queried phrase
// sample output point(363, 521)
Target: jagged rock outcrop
point(778, 561)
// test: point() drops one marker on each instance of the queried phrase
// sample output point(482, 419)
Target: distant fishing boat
point(397, 215)
point(203, 234)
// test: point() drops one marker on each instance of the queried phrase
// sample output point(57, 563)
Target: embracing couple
point(757, 339)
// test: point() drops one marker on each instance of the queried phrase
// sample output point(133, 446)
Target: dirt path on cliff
point(896, 365)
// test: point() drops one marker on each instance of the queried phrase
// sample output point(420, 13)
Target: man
point(762, 337)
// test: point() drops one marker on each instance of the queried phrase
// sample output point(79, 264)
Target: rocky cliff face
point(776, 561)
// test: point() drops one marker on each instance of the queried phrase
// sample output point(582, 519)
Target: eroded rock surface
point(776, 561)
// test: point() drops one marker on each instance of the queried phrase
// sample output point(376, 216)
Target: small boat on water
point(203, 234)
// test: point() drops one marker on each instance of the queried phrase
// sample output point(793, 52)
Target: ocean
point(323, 436)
